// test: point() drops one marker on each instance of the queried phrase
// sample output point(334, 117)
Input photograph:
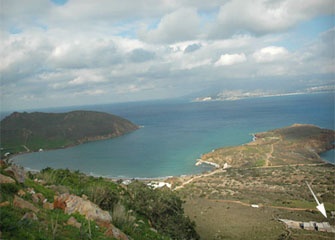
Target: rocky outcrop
point(73, 204)
point(70, 203)
point(4, 204)
point(5, 179)
point(17, 172)
point(20, 203)
point(73, 222)
point(30, 216)
point(113, 231)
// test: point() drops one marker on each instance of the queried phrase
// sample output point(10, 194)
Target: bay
point(175, 133)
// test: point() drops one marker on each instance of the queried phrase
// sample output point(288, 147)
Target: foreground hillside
point(21, 132)
point(60, 204)
point(264, 181)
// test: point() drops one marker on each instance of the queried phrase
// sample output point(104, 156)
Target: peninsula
point(24, 132)
point(256, 185)
point(296, 144)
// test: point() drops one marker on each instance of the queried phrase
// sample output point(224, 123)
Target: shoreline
point(213, 166)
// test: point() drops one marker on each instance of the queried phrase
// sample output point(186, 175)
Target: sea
point(175, 133)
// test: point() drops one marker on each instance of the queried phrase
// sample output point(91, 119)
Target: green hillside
point(61, 204)
point(21, 132)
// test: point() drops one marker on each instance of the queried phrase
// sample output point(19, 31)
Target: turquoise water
point(175, 134)
point(329, 156)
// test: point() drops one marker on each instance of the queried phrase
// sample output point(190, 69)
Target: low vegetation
point(139, 211)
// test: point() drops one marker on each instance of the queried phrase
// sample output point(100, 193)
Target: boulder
point(38, 197)
point(20, 203)
point(73, 204)
point(112, 231)
point(4, 204)
point(30, 215)
point(17, 172)
point(5, 179)
point(21, 193)
point(47, 205)
point(73, 222)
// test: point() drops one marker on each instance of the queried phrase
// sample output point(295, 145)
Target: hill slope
point(33, 131)
point(299, 143)
point(266, 181)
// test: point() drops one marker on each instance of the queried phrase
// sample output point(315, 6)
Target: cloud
point(263, 17)
point(270, 54)
point(180, 25)
point(141, 55)
point(82, 52)
point(230, 59)
point(193, 47)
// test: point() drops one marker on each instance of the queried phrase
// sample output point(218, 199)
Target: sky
point(79, 52)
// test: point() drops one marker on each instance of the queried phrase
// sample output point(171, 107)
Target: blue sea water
point(176, 133)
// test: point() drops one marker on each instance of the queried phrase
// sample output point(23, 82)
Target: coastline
point(214, 167)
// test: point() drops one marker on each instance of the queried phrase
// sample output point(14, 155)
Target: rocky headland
point(296, 144)
point(24, 132)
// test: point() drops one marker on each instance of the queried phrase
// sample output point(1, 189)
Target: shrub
point(164, 210)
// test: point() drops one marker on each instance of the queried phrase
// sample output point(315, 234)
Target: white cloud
point(105, 51)
point(91, 92)
point(263, 17)
point(230, 59)
point(180, 25)
point(270, 54)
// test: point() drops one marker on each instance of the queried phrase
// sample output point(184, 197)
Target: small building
point(309, 225)
point(324, 227)
point(126, 182)
point(155, 185)
point(226, 165)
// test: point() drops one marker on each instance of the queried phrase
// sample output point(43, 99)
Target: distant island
point(232, 95)
point(25, 132)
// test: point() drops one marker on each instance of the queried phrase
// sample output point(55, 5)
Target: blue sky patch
point(59, 2)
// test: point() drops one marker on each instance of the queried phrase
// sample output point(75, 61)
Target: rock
point(30, 215)
point(5, 179)
point(73, 222)
point(112, 231)
point(4, 204)
point(38, 197)
point(20, 203)
point(47, 205)
point(17, 172)
point(35, 198)
point(3, 163)
point(30, 190)
point(21, 193)
point(72, 204)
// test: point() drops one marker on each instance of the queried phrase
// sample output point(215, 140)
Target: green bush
point(9, 188)
point(164, 210)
